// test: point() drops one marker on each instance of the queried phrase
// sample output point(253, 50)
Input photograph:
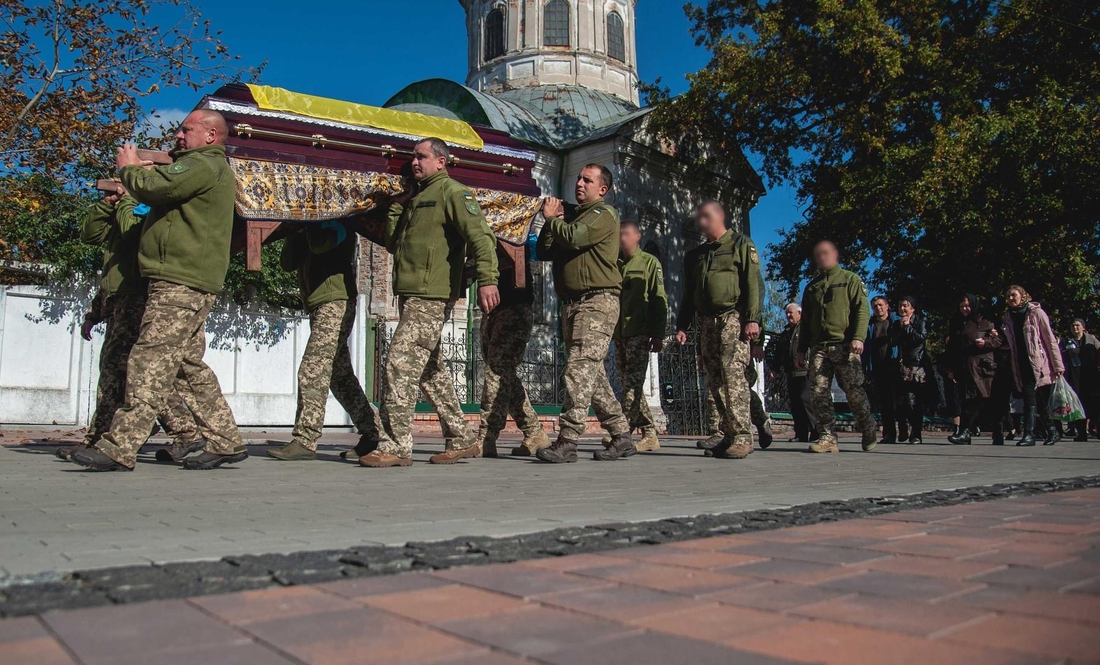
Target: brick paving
point(1012, 581)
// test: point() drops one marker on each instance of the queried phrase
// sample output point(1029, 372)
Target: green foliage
point(40, 223)
point(272, 286)
point(945, 146)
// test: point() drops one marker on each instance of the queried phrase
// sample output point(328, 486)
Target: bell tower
point(527, 43)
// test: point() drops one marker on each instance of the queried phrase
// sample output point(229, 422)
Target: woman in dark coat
point(974, 339)
point(907, 335)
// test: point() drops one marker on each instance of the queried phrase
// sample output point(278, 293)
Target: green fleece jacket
point(117, 230)
point(722, 276)
point(428, 238)
point(643, 306)
point(325, 265)
point(834, 309)
point(186, 236)
point(585, 251)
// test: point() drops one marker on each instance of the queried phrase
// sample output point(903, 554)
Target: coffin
point(300, 159)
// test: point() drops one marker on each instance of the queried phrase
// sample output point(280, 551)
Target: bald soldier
point(723, 286)
point(835, 314)
point(184, 253)
point(429, 229)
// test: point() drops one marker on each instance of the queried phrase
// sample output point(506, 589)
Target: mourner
point(782, 352)
point(973, 342)
point(880, 360)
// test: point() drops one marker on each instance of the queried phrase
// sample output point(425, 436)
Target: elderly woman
point(907, 335)
point(974, 339)
point(1079, 356)
point(1036, 362)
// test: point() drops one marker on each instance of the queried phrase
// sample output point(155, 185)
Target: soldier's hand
point(86, 330)
point(488, 297)
point(656, 344)
point(857, 347)
point(800, 361)
point(681, 337)
point(552, 207)
point(752, 330)
point(127, 156)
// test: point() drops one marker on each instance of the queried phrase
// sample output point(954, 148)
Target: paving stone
point(1054, 578)
point(892, 614)
point(619, 602)
point(237, 654)
point(789, 570)
point(1052, 605)
point(515, 581)
point(675, 579)
point(23, 628)
point(445, 603)
point(656, 649)
point(775, 596)
point(715, 623)
point(39, 651)
point(538, 631)
point(815, 552)
point(1031, 635)
point(275, 603)
point(898, 585)
point(957, 569)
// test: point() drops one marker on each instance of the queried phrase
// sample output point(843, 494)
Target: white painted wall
point(48, 374)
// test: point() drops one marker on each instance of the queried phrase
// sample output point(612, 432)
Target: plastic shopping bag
point(1064, 405)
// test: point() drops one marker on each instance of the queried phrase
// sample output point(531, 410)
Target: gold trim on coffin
point(300, 192)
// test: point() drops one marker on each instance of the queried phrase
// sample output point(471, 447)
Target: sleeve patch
point(753, 256)
point(178, 167)
point(472, 206)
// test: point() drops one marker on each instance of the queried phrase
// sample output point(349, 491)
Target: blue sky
point(366, 50)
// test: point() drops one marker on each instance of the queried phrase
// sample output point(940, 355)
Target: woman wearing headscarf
point(1036, 363)
point(973, 340)
point(907, 335)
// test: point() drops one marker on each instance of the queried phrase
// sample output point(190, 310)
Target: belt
point(828, 345)
point(588, 296)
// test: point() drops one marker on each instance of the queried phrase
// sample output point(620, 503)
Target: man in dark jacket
point(184, 253)
point(783, 350)
point(880, 360)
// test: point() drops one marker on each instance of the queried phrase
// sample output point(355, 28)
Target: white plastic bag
point(1064, 404)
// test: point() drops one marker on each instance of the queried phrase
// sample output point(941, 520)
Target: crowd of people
point(166, 234)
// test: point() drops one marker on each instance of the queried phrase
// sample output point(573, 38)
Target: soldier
point(428, 230)
point(722, 284)
point(504, 335)
point(759, 417)
point(585, 254)
point(835, 313)
point(643, 314)
point(184, 253)
point(324, 257)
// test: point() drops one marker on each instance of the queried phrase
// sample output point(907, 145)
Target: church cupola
point(526, 43)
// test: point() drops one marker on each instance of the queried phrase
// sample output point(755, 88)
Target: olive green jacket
point(643, 306)
point(117, 230)
point(834, 309)
point(585, 252)
point(720, 277)
point(186, 236)
point(325, 265)
point(428, 238)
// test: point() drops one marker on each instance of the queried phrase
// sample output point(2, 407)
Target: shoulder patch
point(472, 206)
point(753, 256)
point(178, 167)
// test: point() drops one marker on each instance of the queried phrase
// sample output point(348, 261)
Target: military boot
point(457, 449)
point(66, 452)
point(649, 443)
point(825, 444)
point(739, 450)
point(622, 446)
point(562, 451)
point(205, 461)
point(293, 452)
point(178, 449)
point(368, 443)
point(96, 460)
point(532, 443)
point(710, 442)
point(870, 440)
point(765, 435)
point(488, 443)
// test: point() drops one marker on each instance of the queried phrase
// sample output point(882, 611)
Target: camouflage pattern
point(504, 335)
point(826, 361)
point(725, 357)
point(714, 419)
point(586, 328)
point(632, 361)
point(415, 359)
point(170, 347)
point(123, 314)
point(326, 365)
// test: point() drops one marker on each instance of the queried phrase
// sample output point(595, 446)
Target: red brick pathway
point(1006, 582)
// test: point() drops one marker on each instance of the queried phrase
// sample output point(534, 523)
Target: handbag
point(1065, 406)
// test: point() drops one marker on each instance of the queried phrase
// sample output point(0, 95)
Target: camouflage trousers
point(586, 328)
point(123, 314)
point(415, 361)
point(326, 365)
point(725, 356)
point(504, 335)
point(757, 415)
point(170, 348)
point(825, 362)
point(632, 362)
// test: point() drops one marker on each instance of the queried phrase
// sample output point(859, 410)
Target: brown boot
point(710, 442)
point(368, 443)
point(622, 446)
point(380, 460)
point(562, 451)
point(532, 443)
point(734, 451)
point(452, 454)
point(826, 444)
point(649, 443)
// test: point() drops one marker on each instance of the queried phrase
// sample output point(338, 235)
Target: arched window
point(494, 34)
point(616, 37)
point(556, 23)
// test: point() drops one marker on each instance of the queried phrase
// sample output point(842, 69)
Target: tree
point(945, 146)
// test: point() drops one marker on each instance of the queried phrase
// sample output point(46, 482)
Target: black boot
point(621, 447)
point(562, 451)
point(961, 437)
point(1082, 431)
point(998, 433)
point(206, 461)
point(1054, 433)
point(764, 434)
point(96, 460)
point(1027, 431)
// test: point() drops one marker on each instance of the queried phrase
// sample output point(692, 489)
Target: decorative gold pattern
point(299, 192)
